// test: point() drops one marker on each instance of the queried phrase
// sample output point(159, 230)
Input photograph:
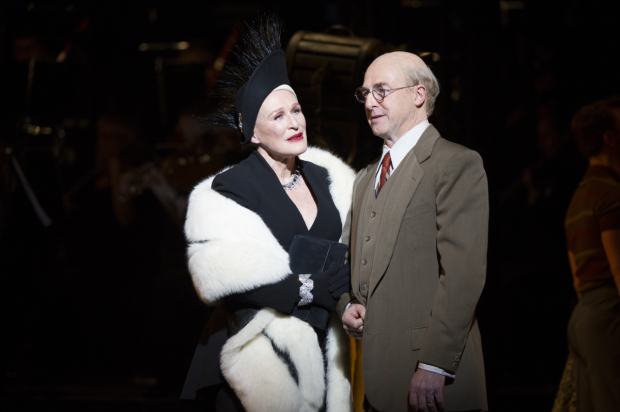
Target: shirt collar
point(404, 145)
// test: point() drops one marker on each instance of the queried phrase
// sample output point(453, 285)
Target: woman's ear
point(255, 139)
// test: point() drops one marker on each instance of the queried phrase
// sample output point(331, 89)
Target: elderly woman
point(281, 349)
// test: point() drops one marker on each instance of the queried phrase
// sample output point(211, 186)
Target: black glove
point(340, 282)
point(328, 286)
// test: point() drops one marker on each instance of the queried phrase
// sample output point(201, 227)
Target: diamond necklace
point(295, 178)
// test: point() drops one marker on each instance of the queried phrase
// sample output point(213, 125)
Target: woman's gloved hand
point(329, 285)
point(340, 282)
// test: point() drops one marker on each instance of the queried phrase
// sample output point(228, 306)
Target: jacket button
point(458, 358)
point(364, 262)
point(459, 352)
point(455, 364)
point(367, 238)
point(373, 214)
point(363, 286)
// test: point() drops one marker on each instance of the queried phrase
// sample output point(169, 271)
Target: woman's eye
point(279, 116)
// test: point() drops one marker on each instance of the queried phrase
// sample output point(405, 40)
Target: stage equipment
point(325, 69)
point(181, 70)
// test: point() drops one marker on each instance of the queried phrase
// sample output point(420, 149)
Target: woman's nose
point(293, 123)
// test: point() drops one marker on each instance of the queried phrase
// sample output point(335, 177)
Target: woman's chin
point(286, 150)
point(293, 149)
point(300, 146)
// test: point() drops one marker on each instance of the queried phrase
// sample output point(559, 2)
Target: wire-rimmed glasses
point(378, 92)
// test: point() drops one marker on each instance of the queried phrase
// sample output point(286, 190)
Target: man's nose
point(370, 101)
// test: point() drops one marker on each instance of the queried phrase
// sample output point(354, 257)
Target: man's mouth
point(296, 137)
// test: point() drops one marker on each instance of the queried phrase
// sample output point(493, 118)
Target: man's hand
point(353, 320)
point(426, 391)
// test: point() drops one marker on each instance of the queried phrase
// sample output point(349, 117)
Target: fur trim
point(262, 381)
point(253, 369)
point(339, 396)
point(292, 336)
point(237, 252)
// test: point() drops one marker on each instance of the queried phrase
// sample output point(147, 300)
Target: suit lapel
point(400, 189)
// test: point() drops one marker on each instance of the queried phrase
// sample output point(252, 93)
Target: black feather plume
point(258, 40)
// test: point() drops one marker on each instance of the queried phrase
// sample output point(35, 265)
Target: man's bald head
point(403, 58)
point(415, 72)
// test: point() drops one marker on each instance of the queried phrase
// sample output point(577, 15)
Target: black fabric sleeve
point(234, 186)
point(282, 296)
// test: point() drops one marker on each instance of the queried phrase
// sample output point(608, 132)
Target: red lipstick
point(296, 137)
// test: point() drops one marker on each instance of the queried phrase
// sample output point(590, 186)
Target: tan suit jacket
point(418, 264)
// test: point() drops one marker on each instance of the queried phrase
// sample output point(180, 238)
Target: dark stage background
point(98, 310)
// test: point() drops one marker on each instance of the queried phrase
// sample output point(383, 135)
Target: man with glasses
point(417, 233)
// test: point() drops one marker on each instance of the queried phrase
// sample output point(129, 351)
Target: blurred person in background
point(593, 240)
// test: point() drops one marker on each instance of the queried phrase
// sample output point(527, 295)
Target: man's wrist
point(352, 301)
point(434, 369)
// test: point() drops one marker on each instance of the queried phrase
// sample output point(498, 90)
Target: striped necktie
point(385, 172)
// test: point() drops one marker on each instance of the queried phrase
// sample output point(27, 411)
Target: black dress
point(254, 185)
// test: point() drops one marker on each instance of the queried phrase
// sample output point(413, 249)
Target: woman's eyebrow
point(279, 109)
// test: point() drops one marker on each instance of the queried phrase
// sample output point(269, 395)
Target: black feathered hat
point(257, 68)
point(270, 73)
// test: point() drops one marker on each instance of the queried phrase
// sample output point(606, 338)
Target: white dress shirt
point(401, 148)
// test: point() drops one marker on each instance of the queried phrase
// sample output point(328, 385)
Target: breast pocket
point(417, 210)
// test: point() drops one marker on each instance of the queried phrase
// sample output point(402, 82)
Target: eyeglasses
point(378, 92)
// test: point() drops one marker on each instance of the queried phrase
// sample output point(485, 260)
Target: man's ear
point(420, 95)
